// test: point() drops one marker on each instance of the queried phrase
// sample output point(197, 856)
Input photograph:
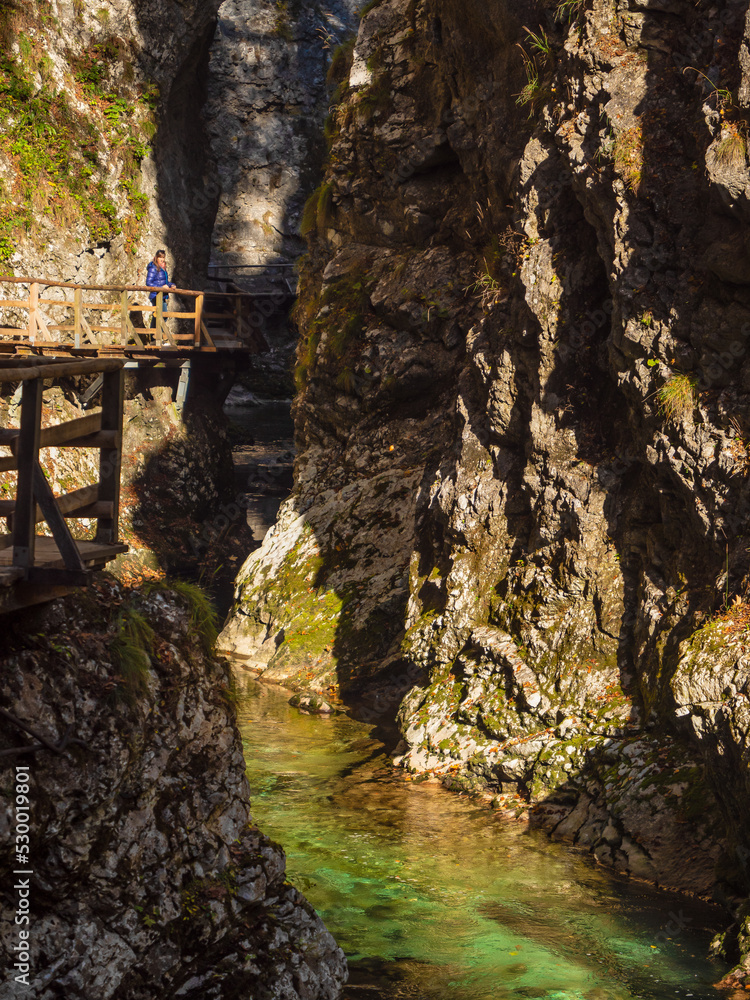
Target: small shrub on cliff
point(533, 93)
point(488, 288)
point(341, 63)
point(317, 211)
point(539, 41)
point(677, 396)
point(347, 380)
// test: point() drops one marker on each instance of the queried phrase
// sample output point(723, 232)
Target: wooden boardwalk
point(35, 568)
point(60, 318)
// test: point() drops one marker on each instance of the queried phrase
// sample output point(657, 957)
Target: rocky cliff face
point(149, 876)
point(523, 419)
point(101, 144)
point(267, 100)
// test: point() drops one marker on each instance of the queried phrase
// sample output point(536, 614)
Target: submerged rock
point(308, 701)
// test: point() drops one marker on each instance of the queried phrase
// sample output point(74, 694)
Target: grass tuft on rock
point(627, 153)
point(677, 396)
point(133, 647)
point(204, 620)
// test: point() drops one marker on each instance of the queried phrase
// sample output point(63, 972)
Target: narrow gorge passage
point(515, 538)
point(431, 897)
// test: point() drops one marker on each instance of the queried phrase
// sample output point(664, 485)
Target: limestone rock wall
point(101, 143)
point(149, 876)
point(523, 416)
point(268, 98)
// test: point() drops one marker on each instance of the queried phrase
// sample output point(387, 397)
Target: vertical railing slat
point(33, 309)
point(124, 333)
point(27, 453)
point(77, 318)
point(198, 318)
point(159, 316)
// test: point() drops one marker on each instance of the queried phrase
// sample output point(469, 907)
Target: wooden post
point(77, 318)
point(198, 317)
point(159, 316)
point(238, 314)
point(110, 459)
point(33, 308)
point(24, 518)
point(124, 332)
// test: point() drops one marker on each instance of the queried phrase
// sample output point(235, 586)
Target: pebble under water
point(433, 897)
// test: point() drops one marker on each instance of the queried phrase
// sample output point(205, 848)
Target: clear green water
point(432, 897)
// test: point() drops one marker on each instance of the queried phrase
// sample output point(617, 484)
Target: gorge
point(518, 521)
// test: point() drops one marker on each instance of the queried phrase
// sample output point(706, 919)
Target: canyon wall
point(102, 145)
point(522, 490)
point(267, 101)
point(149, 875)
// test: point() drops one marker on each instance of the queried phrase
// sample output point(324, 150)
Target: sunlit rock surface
point(527, 298)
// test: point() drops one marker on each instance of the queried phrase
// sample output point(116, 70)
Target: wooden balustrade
point(112, 319)
point(40, 563)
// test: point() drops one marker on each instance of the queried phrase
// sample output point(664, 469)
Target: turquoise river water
point(432, 897)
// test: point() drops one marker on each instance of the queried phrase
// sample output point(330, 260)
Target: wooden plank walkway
point(57, 317)
point(35, 568)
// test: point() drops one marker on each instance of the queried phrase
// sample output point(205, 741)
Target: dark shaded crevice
point(184, 166)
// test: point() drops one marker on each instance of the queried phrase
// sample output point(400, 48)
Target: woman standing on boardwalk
point(157, 277)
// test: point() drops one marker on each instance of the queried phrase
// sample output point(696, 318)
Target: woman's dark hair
point(160, 253)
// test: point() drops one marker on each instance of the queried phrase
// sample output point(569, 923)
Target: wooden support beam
point(103, 439)
point(28, 458)
point(60, 532)
point(92, 339)
point(51, 369)
point(42, 325)
point(77, 317)
point(207, 336)
point(83, 502)
point(49, 576)
point(133, 333)
point(60, 434)
point(110, 459)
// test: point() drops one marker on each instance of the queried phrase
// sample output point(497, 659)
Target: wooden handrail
point(111, 325)
point(117, 288)
point(98, 288)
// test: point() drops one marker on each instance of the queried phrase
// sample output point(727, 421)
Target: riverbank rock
point(522, 416)
point(149, 876)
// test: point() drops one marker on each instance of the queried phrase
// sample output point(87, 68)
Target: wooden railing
point(60, 559)
point(112, 318)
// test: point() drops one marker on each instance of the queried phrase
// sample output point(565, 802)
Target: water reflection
point(432, 897)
